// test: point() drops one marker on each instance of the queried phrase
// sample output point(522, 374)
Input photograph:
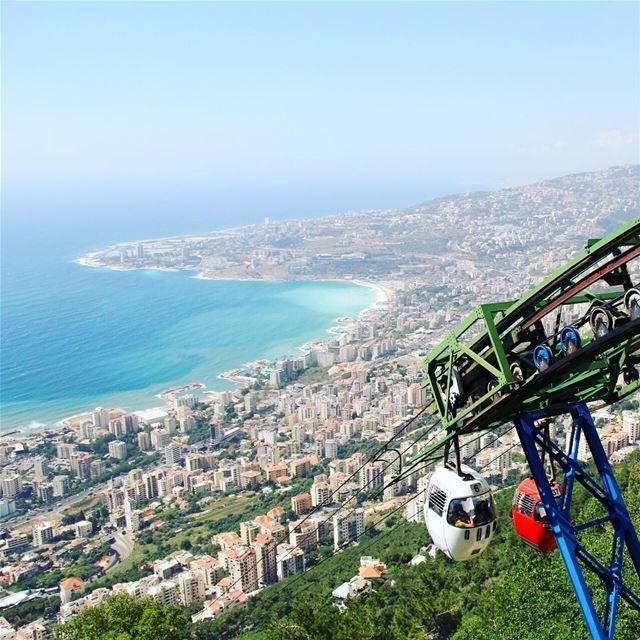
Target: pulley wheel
point(601, 322)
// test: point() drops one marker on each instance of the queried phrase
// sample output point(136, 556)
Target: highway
point(53, 511)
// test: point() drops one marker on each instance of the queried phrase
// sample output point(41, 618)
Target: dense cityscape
point(210, 499)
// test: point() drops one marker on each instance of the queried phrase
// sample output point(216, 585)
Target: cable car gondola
point(530, 518)
point(459, 512)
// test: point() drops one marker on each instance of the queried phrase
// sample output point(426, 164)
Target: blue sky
point(304, 108)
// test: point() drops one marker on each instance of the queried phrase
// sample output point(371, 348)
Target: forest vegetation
point(511, 592)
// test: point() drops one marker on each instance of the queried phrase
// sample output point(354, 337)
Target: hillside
point(511, 592)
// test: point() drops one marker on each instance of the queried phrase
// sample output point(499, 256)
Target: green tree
point(123, 617)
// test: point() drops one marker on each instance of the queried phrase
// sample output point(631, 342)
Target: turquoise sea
point(75, 337)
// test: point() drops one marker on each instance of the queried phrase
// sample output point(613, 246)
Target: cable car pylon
point(605, 489)
point(572, 340)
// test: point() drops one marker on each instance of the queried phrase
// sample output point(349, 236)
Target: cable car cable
point(470, 457)
point(370, 459)
point(391, 513)
point(343, 506)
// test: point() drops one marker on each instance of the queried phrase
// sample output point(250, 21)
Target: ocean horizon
point(76, 337)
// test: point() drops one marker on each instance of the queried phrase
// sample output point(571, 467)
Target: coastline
point(235, 377)
point(86, 259)
point(385, 294)
point(340, 324)
point(383, 288)
point(86, 262)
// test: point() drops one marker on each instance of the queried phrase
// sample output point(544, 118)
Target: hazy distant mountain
point(522, 232)
point(608, 197)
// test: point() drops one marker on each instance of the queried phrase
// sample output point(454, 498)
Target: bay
point(74, 337)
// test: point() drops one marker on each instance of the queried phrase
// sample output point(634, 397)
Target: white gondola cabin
point(460, 512)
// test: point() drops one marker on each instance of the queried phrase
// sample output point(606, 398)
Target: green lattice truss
point(483, 375)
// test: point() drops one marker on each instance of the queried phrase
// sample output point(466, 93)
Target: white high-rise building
point(372, 475)
point(43, 533)
point(165, 593)
point(298, 433)
point(266, 551)
point(118, 427)
point(132, 520)
point(320, 492)
point(185, 401)
point(289, 561)
point(66, 450)
point(83, 528)
point(469, 446)
point(40, 467)
point(10, 485)
point(416, 395)
point(160, 439)
point(348, 526)
point(87, 430)
point(503, 459)
point(631, 425)
point(243, 569)
point(414, 509)
point(250, 402)
point(100, 417)
point(60, 486)
point(170, 424)
point(303, 534)
point(187, 424)
point(173, 453)
point(132, 423)
point(488, 440)
point(7, 507)
point(118, 450)
point(330, 449)
point(44, 491)
point(191, 586)
point(144, 441)
point(584, 453)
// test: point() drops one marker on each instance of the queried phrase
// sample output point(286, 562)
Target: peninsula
point(451, 238)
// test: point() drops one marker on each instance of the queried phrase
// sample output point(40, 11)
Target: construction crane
point(572, 340)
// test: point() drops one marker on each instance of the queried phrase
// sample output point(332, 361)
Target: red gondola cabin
point(530, 518)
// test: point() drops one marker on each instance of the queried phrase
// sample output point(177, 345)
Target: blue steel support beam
point(607, 491)
point(619, 508)
point(561, 526)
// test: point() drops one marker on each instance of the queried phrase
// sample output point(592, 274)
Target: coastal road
point(54, 512)
point(122, 545)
